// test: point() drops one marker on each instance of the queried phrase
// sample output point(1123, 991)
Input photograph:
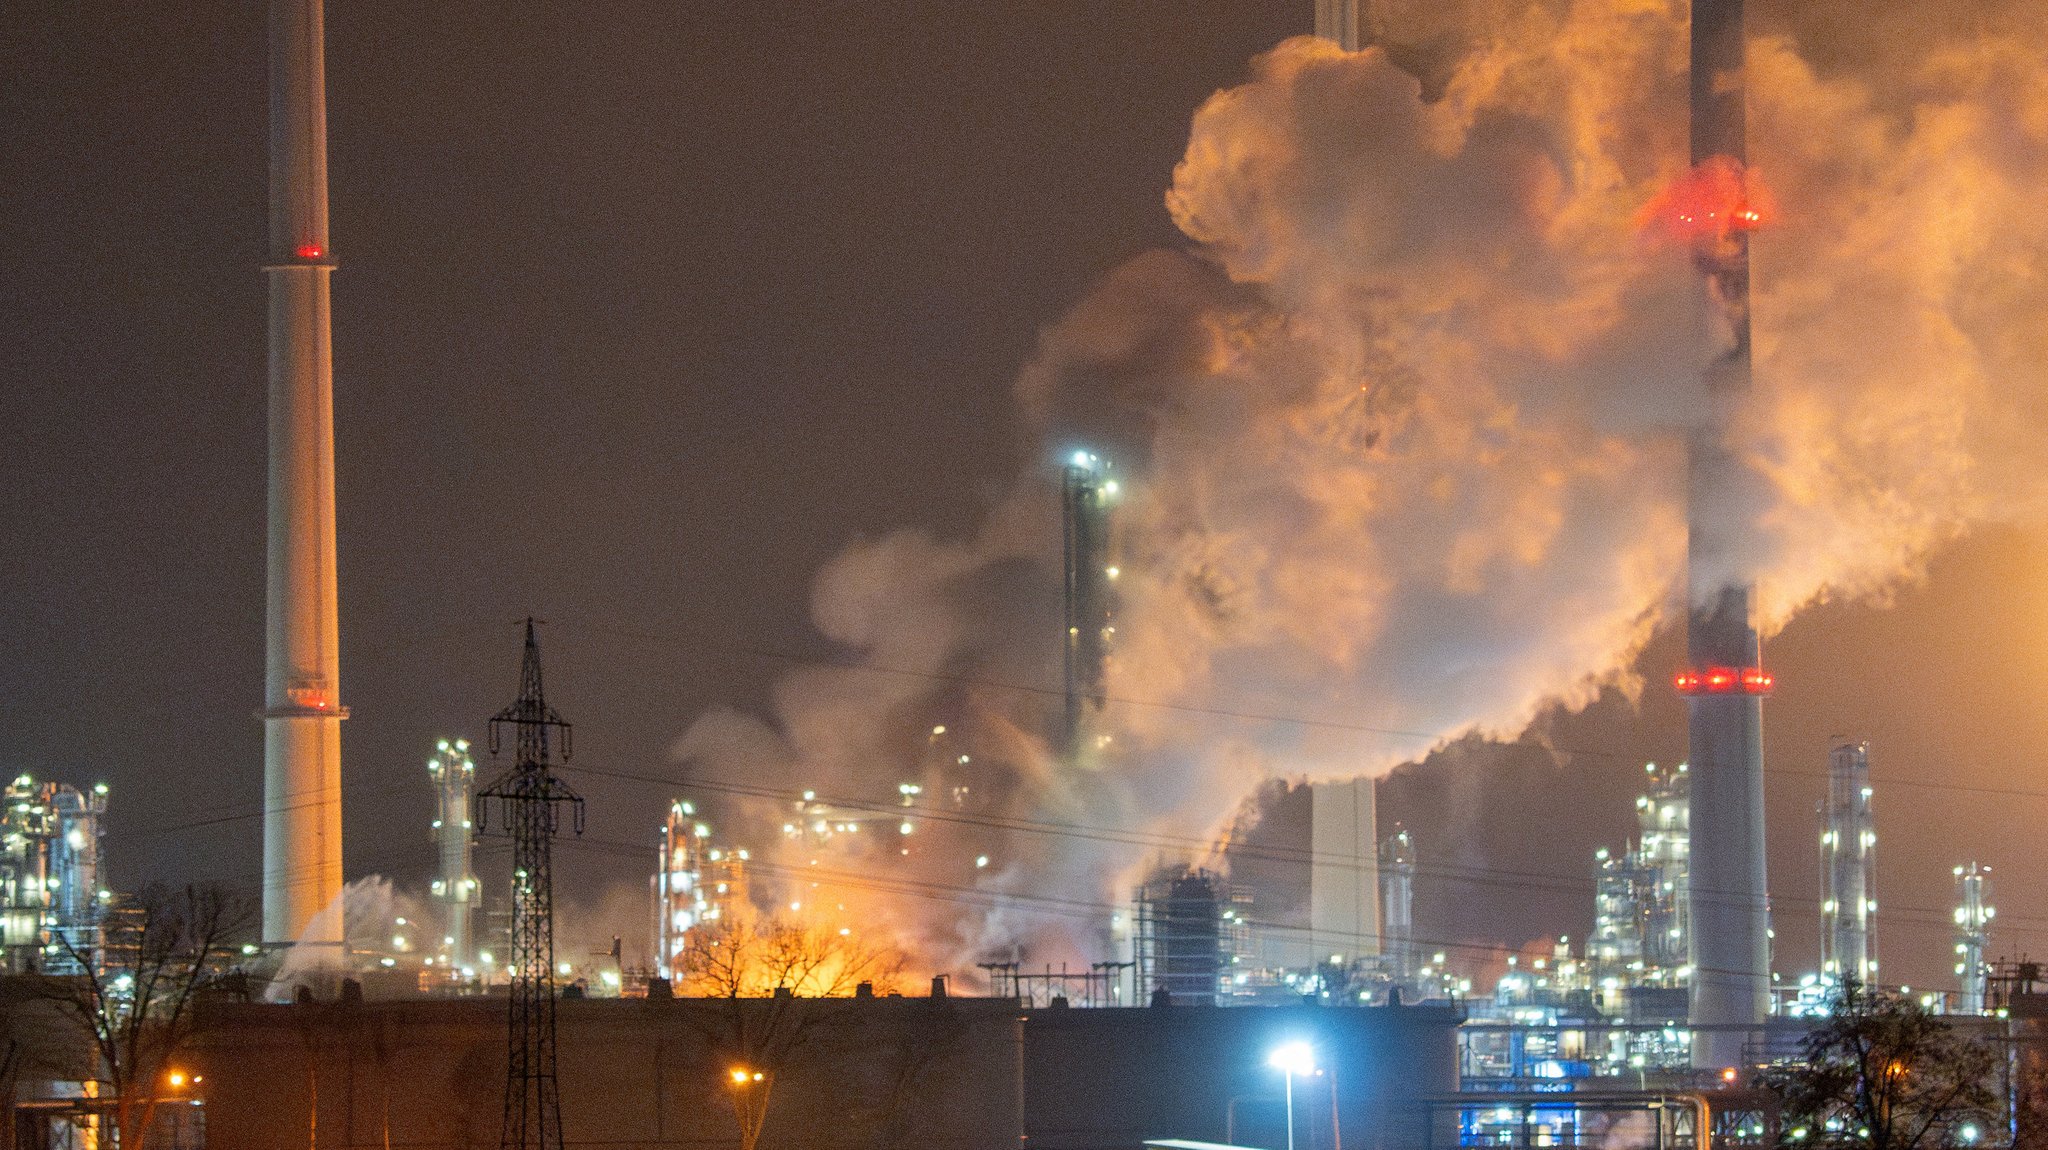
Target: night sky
point(640, 319)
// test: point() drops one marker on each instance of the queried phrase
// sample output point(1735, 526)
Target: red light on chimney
point(1723, 681)
point(311, 251)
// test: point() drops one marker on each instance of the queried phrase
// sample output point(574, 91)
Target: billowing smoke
point(1402, 430)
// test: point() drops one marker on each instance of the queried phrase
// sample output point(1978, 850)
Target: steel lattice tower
point(531, 798)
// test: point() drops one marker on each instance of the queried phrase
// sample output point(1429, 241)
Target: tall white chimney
point(302, 709)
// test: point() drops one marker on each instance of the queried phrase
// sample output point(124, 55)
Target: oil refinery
point(1153, 881)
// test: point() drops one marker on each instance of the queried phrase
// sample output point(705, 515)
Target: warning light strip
point(1723, 681)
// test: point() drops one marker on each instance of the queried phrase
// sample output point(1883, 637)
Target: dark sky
point(641, 317)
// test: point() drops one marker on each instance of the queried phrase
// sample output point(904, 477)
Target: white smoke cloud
point(1405, 427)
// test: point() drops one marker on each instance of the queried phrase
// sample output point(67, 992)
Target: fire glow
point(1723, 681)
point(1714, 200)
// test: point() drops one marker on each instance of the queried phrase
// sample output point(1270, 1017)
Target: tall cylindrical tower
point(1973, 936)
point(1397, 905)
point(302, 710)
point(454, 776)
point(1086, 496)
point(1848, 869)
point(1725, 685)
point(1338, 20)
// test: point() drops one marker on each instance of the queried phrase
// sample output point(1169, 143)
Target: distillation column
point(1086, 496)
point(1973, 936)
point(1725, 684)
point(1397, 906)
point(1848, 869)
point(454, 776)
point(302, 681)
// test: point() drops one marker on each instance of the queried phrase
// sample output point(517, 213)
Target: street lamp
point(1291, 1059)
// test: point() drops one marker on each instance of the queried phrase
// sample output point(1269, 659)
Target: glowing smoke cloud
point(1404, 427)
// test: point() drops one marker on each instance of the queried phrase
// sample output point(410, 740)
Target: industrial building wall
point(1344, 878)
point(938, 1074)
point(633, 1073)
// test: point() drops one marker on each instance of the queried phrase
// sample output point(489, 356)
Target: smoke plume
point(1402, 430)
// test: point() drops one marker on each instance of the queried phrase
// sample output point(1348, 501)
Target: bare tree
point(135, 1000)
point(1883, 1073)
point(768, 976)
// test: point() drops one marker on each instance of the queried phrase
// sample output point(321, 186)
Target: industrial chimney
point(1725, 683)
point(302, 709)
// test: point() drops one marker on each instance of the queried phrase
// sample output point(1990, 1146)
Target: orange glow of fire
point(1715, 199)
point(751, 956)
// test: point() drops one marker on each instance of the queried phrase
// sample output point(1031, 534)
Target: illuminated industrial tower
point(1397, 906)
point(1338, 20)
point(454, 774)
point(696, 883)
point(302, 709)
point(1848, 869)
point(1973, 935)
point(1086, 495)
point(1725, 683)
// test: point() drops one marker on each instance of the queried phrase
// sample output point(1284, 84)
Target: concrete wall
point(875, 1074)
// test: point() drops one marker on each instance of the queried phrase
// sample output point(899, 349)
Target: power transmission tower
point(532, 799)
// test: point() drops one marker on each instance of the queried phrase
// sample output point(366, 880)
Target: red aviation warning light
point(310, 251)
point(1723, 681)
point(1708, 203)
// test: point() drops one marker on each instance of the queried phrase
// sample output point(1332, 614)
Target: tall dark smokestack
point(1086, 495)
point(1725, 684)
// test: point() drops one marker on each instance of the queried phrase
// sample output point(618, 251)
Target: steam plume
point(1404, 427)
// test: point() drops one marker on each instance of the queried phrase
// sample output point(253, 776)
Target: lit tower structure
point(695, 883)
point(1640, 924)
point(1338, 20)
point(302, 709)
point(1086, 495)
point(1664, 855)
point(454, 775)
point(532, 797)
point(1848, 869)
point(1973, 935)
point(1725, 683)
point(1397, 905)
point(51, 901)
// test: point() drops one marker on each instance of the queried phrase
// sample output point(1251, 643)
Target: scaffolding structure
point(1190, 931)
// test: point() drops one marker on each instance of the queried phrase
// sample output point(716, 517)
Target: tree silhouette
point(1883, 1073)
point(769, 977)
